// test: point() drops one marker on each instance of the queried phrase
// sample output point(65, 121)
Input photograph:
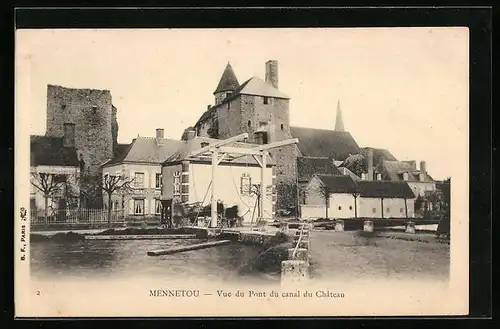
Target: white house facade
point(350, 198)
point(188, 181)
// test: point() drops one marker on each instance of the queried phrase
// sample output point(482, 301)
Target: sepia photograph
point(242, 172)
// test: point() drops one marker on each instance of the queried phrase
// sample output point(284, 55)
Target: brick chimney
point(160, 133)
point(369, 164)
point(272, 73)
point(69, 135)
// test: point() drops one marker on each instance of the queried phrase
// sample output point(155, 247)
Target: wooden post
point(406, 209)
point(262, 184)
point(355, 205)
point(382, 206)
point(213, 206)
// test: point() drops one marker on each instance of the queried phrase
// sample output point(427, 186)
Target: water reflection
point(101, 258)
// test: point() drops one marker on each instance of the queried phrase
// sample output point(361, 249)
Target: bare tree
point(113, 184)
point(92, 185)
point(325, 193)
point(50, 185)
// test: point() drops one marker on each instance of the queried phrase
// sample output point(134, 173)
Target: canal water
point(101, 259)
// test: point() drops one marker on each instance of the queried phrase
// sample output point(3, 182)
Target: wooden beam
point(219, 144)
point(276, 144)
point(258, 160)
point(220, 158)
point(239, 150)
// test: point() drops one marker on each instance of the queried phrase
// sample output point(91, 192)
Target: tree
point(92, 185)
point(355, 163)
point(50, 185)
point(325, 193)
point(112, 184)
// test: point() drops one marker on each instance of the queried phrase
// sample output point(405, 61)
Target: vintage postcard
point(241, 172)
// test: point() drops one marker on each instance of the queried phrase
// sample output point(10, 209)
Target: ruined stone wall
point(96, 128)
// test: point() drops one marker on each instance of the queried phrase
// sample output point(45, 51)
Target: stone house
point(350, 198)
point(140, 161)
point(188, 179)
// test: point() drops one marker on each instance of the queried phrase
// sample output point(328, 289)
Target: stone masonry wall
point(92, 113)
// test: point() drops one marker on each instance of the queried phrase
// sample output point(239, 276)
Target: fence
point(83, 218)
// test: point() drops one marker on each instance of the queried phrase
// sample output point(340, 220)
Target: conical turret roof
point(228, 81)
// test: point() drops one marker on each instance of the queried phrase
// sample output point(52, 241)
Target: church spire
point(339, 123)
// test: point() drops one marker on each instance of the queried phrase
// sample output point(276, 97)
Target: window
point(228, 105)
point(158, 181)
point(401, 210)
point(94, 109)
point(246, 184)
point(177, 183)
point(340, 207)
point(374, 210)
point(350, 207)
point(282, 127)
point(138, 206)
point(387, 209)
point(249, 123)
point(59, 178)
point(157, 207)
point(266, 100)
point(139, 180)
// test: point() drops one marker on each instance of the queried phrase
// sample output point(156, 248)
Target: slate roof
point(252, 86)
point(145, 150)
point(49, 151)
point(365, 188)
point(257, 86)
point(394, 170)
point(384, 189)
point(194, 144)
point(228, 80)
point(325, 143)
point(338, 183)
point(309, 166)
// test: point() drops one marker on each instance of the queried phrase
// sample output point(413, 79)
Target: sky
point(403, 89)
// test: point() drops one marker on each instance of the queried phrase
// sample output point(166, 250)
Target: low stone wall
point(295, 270)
